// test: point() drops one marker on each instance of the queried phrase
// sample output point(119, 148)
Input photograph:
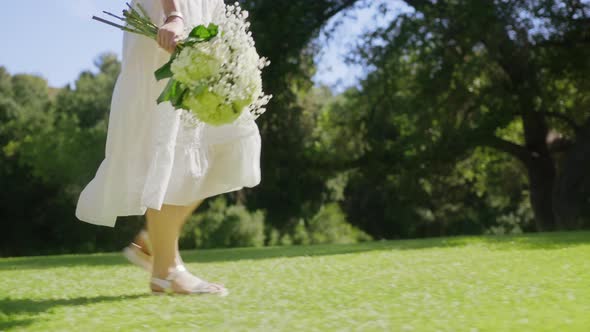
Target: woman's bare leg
point(164, 230)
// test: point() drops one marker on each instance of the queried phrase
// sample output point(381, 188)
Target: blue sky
point(57, 39)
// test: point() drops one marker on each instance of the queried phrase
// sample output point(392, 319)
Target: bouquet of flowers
point(215, 71)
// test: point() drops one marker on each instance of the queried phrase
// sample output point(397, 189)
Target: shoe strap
point(162, 283)
point(167, 283)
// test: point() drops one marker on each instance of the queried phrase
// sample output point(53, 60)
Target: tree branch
point(560, 116)
point(563, 43)
point(560, 145)
point(517, 151)
point(417, 4)
point(346, 4)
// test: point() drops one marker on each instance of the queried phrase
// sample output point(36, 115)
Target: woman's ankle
point(163, 273)
point(141, 243)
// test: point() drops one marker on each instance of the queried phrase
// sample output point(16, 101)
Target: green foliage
point(65, 148)
point(329, 225)
point(300, 234)
point(89, 102)
point(50, 146)
point(290, 183)
point(223, 226)
point(470, 107)
point(204, 33)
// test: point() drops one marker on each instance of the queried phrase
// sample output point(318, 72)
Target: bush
point(514, 222)
point(273, 237)
point(329, 225)
point(300, 234)
point(223, 226)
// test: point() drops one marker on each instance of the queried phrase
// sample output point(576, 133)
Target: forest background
point(471, 117)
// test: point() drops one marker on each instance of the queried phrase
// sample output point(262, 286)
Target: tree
point(452, 76)
point(284, 32)
point(50, 149)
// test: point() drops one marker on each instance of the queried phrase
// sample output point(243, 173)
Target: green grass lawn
point(525, 283)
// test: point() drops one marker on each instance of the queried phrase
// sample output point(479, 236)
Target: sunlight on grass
point(522, 283)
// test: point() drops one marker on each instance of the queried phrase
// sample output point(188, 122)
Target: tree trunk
point(541, 168)
point(541, 176)
point(569, 193)
point(541, 172)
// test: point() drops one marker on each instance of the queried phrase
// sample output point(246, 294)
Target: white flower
point(228, 66)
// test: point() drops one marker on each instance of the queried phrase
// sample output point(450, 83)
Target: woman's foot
point(180, 281)
point(139, 251)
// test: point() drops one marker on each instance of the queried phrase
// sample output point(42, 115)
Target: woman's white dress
point(151, 157)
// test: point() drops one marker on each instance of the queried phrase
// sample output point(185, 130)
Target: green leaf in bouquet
point(204, 32)
point(166, 70)
point(178, 101)
point(173, 92)
point(213, 29)
point(200, 31)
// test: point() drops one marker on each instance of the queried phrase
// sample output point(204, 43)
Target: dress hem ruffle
point(210, 185)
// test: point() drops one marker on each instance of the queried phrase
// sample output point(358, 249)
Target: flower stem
point(136, 22)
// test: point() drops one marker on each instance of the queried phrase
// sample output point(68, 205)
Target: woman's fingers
point(162, 38)
point(166, 40)
point(169, 34)
point(172, 45)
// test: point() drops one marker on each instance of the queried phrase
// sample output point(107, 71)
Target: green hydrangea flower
point(211, 108)
point(193, 65)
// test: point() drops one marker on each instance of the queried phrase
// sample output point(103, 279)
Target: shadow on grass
point(544, 241)
point(6, 324)
point(33, 308)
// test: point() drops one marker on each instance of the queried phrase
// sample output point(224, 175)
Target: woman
point(155, 165)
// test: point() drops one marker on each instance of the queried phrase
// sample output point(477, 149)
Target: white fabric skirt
point(151, 157)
